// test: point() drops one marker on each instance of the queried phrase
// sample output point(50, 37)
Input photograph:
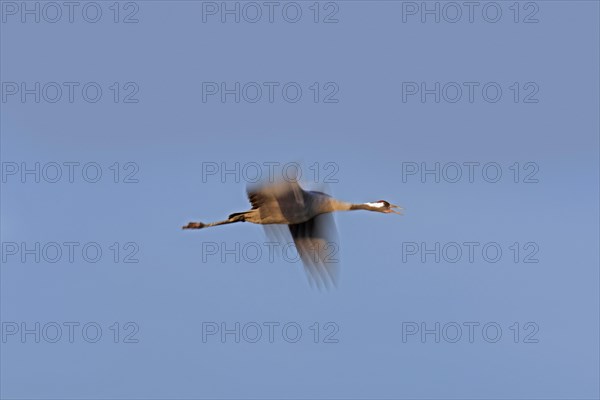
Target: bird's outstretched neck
point(359, 206)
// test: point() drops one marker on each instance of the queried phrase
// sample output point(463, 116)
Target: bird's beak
point(394, 211)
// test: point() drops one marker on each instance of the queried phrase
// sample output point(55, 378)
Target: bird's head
point(384, 207)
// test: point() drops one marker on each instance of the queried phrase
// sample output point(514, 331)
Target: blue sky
point(175, 292)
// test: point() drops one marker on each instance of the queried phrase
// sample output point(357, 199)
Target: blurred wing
point(285, 198)
point(277, 233)
point(316, 242)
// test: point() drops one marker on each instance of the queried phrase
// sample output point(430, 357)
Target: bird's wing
point(316, 242)
point(286, 198)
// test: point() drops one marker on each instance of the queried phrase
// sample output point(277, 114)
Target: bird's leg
point(199, 225)
point(194, 225)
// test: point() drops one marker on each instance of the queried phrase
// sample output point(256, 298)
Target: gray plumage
point(308, 217)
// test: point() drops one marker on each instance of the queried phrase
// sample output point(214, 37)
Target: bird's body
point(306, 213)
point(288, 204)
